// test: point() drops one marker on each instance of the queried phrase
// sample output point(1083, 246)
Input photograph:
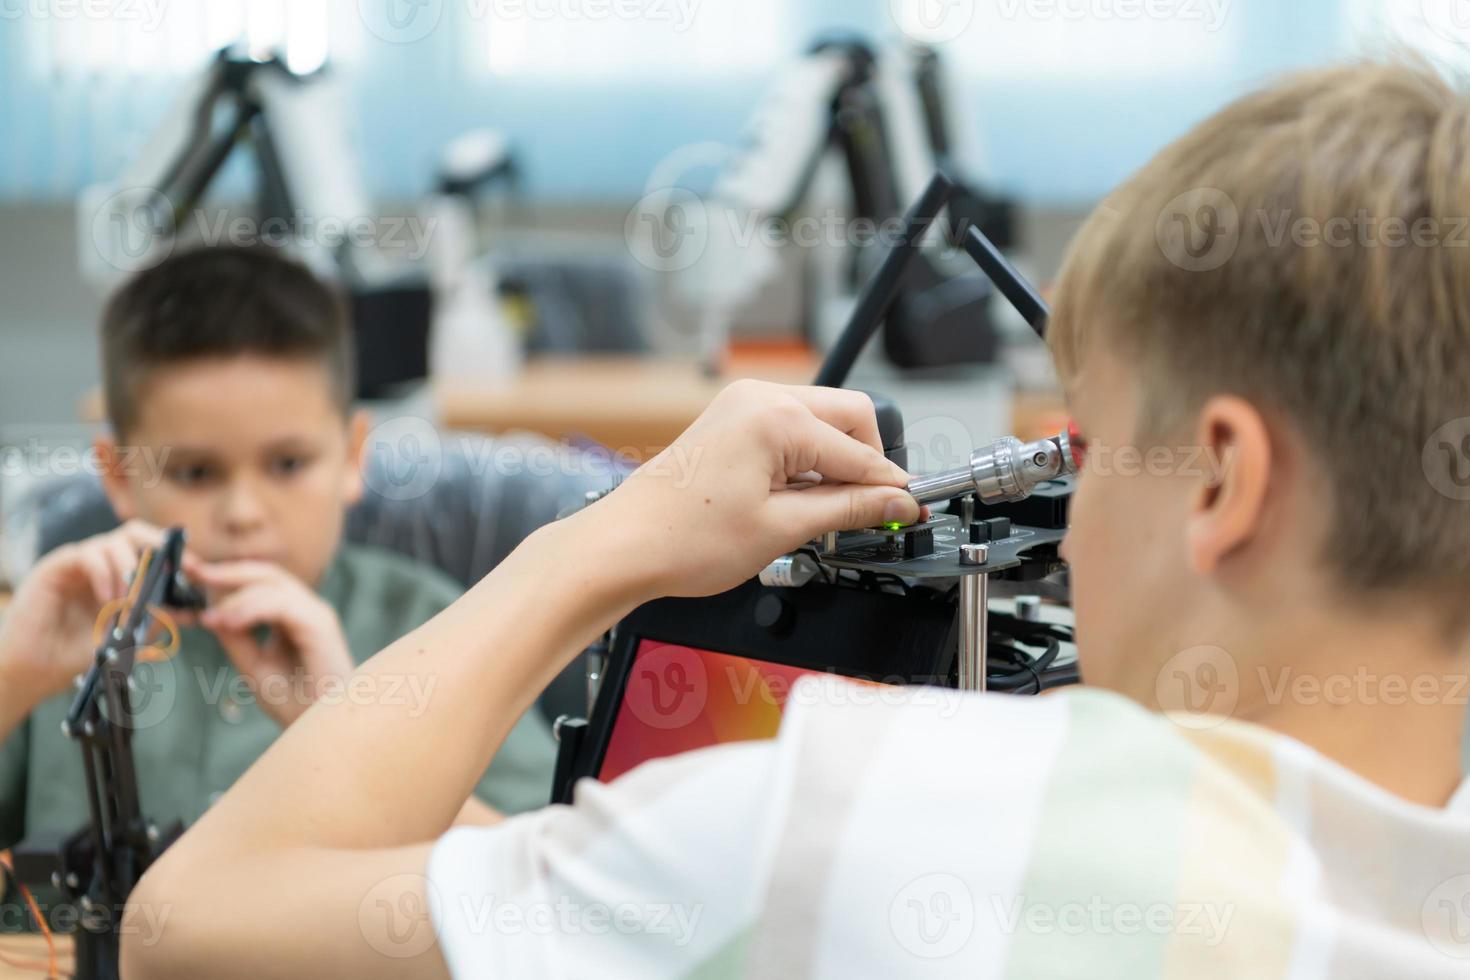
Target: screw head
point(974, 554)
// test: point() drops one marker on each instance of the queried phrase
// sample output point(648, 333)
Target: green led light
point(894, 526)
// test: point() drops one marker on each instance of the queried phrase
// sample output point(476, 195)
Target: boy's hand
point(722, 501)
point(46, 637)
point(305, 645)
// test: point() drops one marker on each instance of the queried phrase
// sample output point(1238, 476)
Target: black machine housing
point(886, 604)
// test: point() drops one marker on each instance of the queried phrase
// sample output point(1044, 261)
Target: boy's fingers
point(244, 609)
point(123, 560)
point(839, 457)
point(98, 573)
point(849, 411)
point(141, 535)
point(235, 574)
point(843, 507)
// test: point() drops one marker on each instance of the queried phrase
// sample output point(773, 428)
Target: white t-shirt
point(930, 833)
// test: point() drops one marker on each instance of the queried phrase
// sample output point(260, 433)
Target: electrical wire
point(52, 970)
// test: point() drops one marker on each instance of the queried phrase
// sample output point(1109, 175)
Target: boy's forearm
point(482, 662)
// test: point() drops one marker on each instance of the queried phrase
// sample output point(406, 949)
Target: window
point(1067, 38)
point(158, 38)
point(626, 38)
point(1440, 29)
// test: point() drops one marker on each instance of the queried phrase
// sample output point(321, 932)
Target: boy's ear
point(357, 433)
point(1230, 505)
point(115, 482)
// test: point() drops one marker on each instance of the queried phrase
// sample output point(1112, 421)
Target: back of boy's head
point(1200, 272)
point(212, 303)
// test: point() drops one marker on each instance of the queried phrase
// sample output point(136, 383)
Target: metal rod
point(974, 628)
point(1012, 285)
point(943, 486)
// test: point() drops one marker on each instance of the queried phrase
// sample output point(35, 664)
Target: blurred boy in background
point(231, 372)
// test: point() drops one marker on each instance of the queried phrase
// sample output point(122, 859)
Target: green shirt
point(199, 727)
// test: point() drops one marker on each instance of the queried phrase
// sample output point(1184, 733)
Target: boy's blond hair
point(1308, 248)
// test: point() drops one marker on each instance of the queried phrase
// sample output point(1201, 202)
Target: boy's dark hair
point(220, 302)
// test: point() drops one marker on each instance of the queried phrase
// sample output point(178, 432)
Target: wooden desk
point(625, 403)
point(17, 952)
point(642, 404)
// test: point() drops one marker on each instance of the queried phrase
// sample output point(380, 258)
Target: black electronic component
point(1000, 527)
point(920, 544)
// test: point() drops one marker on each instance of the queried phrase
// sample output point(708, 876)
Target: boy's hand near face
point(48, 634)
point(305, 644)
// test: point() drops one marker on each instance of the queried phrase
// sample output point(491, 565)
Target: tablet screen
point(680, 698)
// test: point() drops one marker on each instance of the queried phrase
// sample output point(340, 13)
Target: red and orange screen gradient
point(679, 698)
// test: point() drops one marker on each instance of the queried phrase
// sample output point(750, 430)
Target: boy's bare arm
point(477, 813)
point(365, 807)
